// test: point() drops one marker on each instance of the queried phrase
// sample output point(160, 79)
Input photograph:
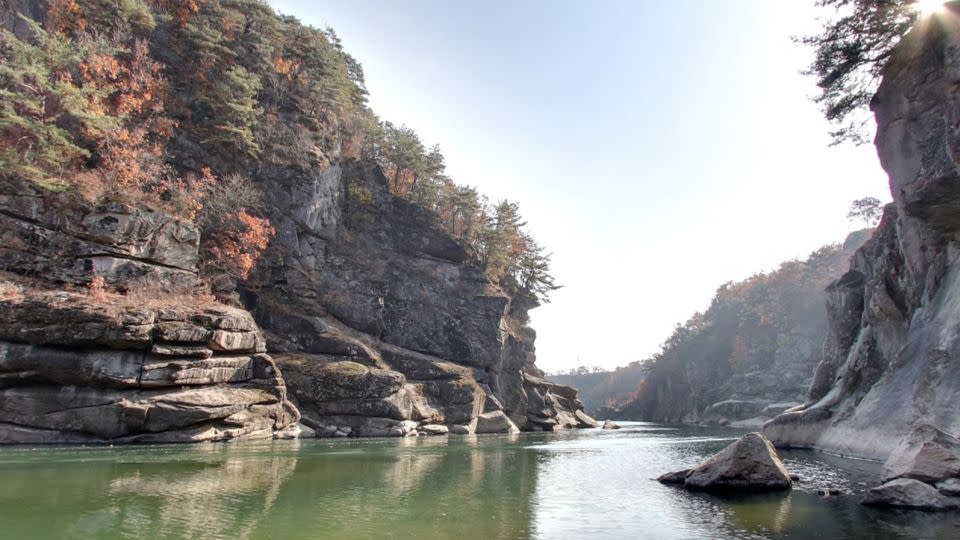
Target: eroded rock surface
point(73, 370)
point(377, 317)
point(910, 494)
point(892, 360)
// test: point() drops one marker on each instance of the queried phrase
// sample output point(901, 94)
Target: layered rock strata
point(141, 356)
point(75, 371)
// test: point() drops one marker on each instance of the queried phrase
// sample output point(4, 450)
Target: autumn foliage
point(185, 105)
point(85, 111)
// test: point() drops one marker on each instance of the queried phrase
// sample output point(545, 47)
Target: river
point(578, 484)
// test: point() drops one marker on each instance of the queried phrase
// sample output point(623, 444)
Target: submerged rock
point(926, 454)
point(460, 429)
point(750, 463)
point(610, 424)
point(911, 494)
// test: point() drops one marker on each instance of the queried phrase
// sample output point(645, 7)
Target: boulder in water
point(434, 429)
point(495, 422)
point(675, 477)
point(750, 463)
point(584, 419)
point(610, 424)
point(911, 494)
point(926, 454)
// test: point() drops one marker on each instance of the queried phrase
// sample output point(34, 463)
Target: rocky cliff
point(160, 363)
point(202, 238)
point(891, 358)
point(381, 322)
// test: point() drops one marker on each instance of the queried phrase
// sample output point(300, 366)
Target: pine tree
point(850, 54)
point(45, 117)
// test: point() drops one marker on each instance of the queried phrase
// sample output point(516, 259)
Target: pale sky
point(658, 148)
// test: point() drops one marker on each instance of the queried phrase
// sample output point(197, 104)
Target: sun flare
point(929, 6)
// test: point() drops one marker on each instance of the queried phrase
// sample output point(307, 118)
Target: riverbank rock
point(910, 494)
point(585, 419)
point(949, 487)
point(77, 369)
point(750, 463)
point(610, 424)
point(495, 422)
point(926, 454)
point(434, 429)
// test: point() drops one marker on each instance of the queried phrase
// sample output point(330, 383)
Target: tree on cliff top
point(850, 54)
point(866, 210)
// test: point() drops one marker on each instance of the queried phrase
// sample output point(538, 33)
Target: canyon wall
point(892, 358)
point(129, 310)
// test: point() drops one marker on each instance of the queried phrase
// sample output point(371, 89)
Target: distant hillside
point(601, 388)
point(751, 353)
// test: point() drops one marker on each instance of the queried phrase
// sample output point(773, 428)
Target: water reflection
point(566, 485)
point(207, 491)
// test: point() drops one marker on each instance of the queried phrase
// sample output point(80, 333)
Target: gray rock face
point(892, 360)
point(70, 243)
point(926, 454)
point(373, 312)
point(724, 412)
point(750, 463)
point(73, 370)
point(585, 419)
point(910, 494)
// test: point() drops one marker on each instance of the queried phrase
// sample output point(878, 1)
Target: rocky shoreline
point(391, 332)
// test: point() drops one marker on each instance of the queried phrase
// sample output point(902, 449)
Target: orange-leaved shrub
point(232, 237)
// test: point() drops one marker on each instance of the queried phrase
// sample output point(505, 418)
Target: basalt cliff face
point(892, 358)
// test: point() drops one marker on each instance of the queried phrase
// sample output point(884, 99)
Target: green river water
point(580, 484)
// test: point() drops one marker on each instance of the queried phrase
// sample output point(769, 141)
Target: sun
point(929, 6)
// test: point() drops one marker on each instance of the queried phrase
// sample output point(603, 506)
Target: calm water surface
point(583, 484)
